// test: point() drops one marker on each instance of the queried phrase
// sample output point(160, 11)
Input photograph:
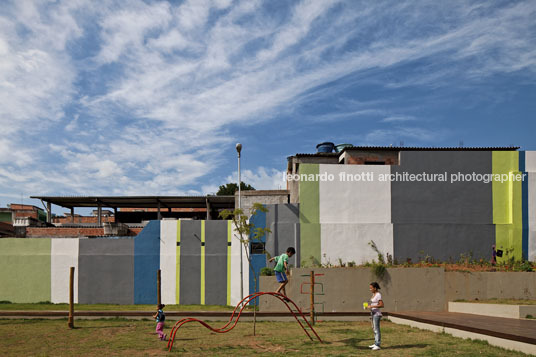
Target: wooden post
point(159, 287)
point(71, 298)
point(312, 297)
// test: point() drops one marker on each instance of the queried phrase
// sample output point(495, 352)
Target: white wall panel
point(64, 255)
point(530, 161)
point(349, 242)
point(168, 260)
point(235, 270)
point(345, 201)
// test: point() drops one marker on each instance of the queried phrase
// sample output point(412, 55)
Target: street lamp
point(238, 150)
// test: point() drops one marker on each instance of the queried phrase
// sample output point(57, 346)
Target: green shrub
point(266, 271)
point(524, 266)
point(379, 270)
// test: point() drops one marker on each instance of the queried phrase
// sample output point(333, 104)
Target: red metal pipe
point(243, 303)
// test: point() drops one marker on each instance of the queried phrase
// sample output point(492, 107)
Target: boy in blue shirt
point(281, 268)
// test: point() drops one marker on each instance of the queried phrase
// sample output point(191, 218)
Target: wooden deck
point(512, 329)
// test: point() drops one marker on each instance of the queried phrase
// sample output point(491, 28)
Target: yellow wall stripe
point(203, 262)
point(507, 205)
point(178, 267)
point(229, 235)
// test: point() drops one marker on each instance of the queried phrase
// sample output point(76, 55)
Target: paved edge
point(492, 340)
point(481, 331)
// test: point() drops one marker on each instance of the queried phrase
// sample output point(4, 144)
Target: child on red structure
point(281, 267)
point(160, 318)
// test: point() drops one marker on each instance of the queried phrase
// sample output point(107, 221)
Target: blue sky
point(150, 97)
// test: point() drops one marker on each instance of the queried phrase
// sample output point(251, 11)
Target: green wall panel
point(507, 206)
point(25, 266)
point(310, 247)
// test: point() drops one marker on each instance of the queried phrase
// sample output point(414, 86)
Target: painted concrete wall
point(106, 273)
point(310, 241)
point(236, 276)
point(216, 262)
point(25, 270)
point(355, 208)
point(168, 260)
point(442, 202)
point(507, 207)
point(64, 255)
point(444, 242)
point(348, 199)
point(440, 219)
point(146, 263)
point(283, 221)
point(340, 215)
point(190, 269)
point(350, 242)
point(196, 261)
point(403, 289)
point(530, 168)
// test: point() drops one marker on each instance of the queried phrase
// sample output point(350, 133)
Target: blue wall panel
point(257, 260)
point(146, 263)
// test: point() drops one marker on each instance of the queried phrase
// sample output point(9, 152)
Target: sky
point(150, 97)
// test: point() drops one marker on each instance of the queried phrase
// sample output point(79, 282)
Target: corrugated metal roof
point(140, 201)
point(408, 148)
point(444, 148)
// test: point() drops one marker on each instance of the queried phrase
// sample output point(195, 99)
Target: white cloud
point(386, 137)
point(261, 179)
point(398, 118)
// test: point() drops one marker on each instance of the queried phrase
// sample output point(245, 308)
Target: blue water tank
point(325, 147)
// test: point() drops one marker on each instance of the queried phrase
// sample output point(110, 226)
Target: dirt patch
point(266, 347)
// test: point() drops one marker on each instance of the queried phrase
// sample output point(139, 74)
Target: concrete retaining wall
point(496, 310)
point(403, 289)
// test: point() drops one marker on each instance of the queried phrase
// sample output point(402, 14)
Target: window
point(257, 248)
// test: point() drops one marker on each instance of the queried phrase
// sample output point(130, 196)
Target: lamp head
point(238, 148)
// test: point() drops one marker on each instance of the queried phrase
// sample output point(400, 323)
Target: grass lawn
point(501, 301)
point(137, 338)
point(111, 307)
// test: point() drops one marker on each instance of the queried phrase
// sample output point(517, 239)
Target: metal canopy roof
point(215, 202)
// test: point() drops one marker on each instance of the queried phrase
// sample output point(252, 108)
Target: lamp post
point(238, 150)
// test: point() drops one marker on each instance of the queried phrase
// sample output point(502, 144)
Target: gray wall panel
point(190, 269)
point(216, 263)
point(106, 271)
point(284, 222)
point(443, 202)
point(442, 241)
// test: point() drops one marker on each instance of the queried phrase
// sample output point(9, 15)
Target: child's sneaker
point(164, 338)
point(376, 348)
point(372, 346)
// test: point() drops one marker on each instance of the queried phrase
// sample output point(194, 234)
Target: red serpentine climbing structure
point(292, 307)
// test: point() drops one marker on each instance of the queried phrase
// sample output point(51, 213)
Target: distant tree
point(230, 188)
